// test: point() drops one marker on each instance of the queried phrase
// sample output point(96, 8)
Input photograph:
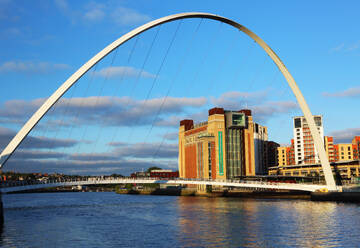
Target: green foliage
point(129, 186)
point(151, 185)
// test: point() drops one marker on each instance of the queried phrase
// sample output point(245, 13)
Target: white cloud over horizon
point(123, 71)
point(112, 111)
point(345, 135)
point(257, 102)
point(31, 67)
point(351, 92)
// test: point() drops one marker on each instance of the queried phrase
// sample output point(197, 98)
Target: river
point(110, 220)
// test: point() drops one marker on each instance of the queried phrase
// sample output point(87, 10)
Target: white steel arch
point(29, 125)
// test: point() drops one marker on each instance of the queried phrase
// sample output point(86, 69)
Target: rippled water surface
point(111, 220)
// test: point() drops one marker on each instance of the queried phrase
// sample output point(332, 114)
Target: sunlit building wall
point(356, 147)
point(345, 152)
point(329, 148)
point(305, 152)
point(228, 145)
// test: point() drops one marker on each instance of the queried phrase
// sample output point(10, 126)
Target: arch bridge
point(31, 123)
point(22, 186)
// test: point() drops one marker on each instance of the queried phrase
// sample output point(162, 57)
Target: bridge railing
point(94, 180)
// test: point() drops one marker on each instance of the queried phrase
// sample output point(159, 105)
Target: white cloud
point(62, 4)
point(123, 71)
point(345, 135)
point(94, 15)
point(346, 47)
point(256, 101)
point(338, 48)
point(354, 46)
point(31, 67)
point(32, 142)
point(267, 110)
point(237, 100)
point(97, 12)
point(351, 92)
point(146, 150)
point(113, 111)
point(125, 16)
point(171, 136)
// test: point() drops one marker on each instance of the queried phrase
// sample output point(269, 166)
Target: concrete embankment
point(336, 196)
point(174, 192)
point(240, 194)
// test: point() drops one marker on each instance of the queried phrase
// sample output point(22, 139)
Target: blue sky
point(120, 117)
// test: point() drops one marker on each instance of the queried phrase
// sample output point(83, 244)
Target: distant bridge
point(23, 185)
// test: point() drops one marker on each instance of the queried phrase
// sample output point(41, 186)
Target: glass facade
point(233, 153)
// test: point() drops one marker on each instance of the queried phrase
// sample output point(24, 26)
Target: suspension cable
point(64, 114)
point(169, 89)
point(210, 44)
point(155, 80)
point(222, 63)
point(116, 90)
point(137, 80)
point(76, 116)
point(100, 93)
point(172, 83)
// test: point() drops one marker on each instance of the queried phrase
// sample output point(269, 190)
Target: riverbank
point(353, 197)
point(225, 193)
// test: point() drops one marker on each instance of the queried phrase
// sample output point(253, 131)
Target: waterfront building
point(272, 154)
point(164, 173)
point(346, 169)
point(286, 154)
point(305, 152)
point(228, 145)
point(356, 147)
point(282, 155)
point(344, 152)
point(329, 148)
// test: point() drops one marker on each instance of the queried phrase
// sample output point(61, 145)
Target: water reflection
point(226, 222)
point(110, 220)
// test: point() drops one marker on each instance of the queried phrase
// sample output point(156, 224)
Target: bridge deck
point(228, 183)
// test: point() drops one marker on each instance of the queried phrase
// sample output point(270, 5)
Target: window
point(317, 121)
point(297, 122)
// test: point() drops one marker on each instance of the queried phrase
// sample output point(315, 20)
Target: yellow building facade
point(345, 152)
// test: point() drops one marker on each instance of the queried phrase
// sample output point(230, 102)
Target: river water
point(112, 220)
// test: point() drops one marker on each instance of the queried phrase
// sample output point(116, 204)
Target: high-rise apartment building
point(304, 149)
point(282, 155)
point(228, 145)
point(356, 147)
point(329, 148)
